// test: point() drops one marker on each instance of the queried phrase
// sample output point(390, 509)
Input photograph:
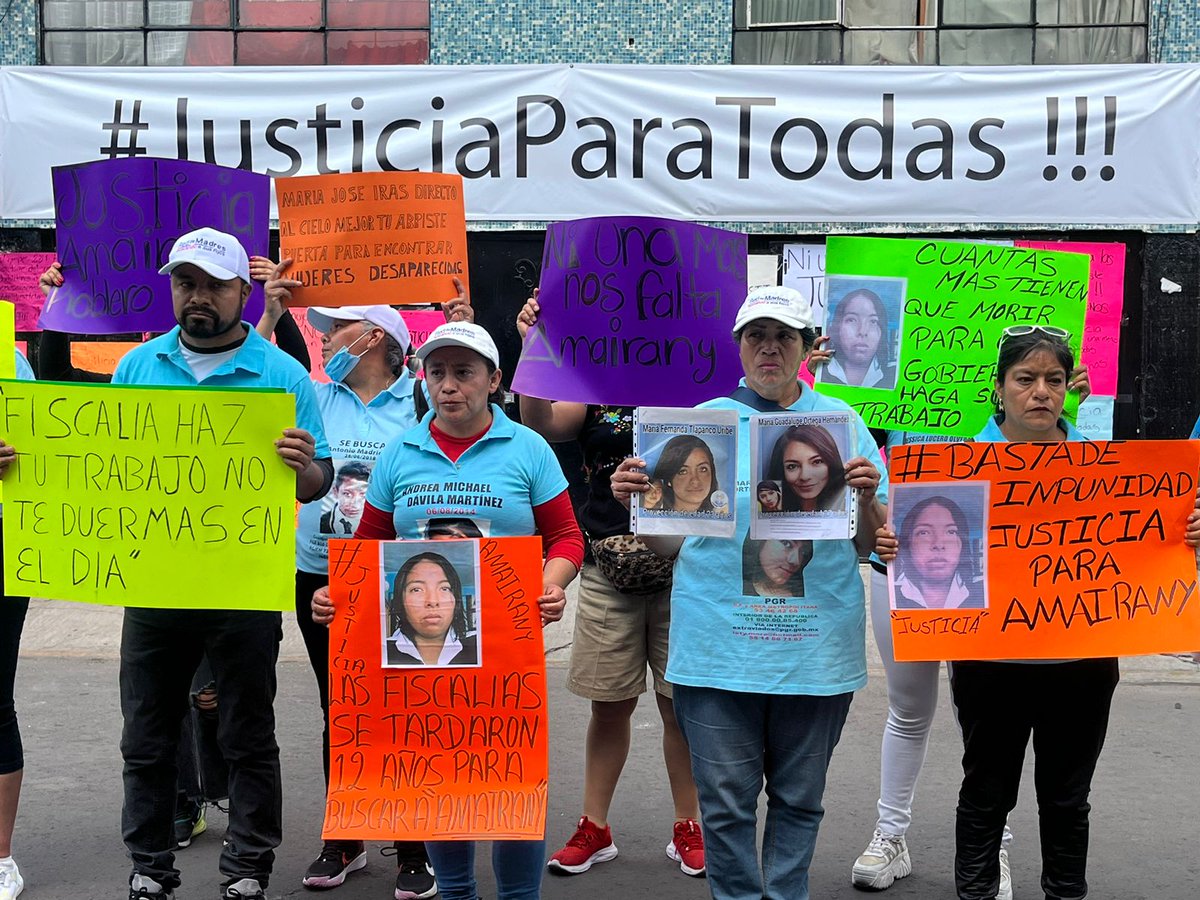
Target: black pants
point(1065, 707)
point(12, 621)
point(160, 650)
point(316, 641)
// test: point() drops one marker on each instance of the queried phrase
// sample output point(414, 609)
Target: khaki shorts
point(616, 636)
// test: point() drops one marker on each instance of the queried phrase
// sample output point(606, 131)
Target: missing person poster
point(437, 691)
point(691, 458)
point(1043, 551)
point(798, 469)
point(942, 528)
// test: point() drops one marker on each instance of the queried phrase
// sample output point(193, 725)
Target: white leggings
point(912, 689)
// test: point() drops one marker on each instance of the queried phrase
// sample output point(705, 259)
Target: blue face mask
point(343, 362)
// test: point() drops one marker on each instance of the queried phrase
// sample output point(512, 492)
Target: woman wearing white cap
point(766, 700)
point(367, 403)
point(521, 491)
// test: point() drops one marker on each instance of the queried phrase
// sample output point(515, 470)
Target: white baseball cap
point(783, 304)
point(219, 254)
point(461, 334)
point(392, 323)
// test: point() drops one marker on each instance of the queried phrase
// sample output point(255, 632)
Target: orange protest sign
point(1043, 551)
point(373, 237)
point(437, 691)
point(99, 356)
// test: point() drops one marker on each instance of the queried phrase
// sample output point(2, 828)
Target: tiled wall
point(1175, 31)
point(18, 34)
point(686, 32)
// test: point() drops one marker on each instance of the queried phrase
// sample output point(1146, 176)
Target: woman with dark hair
point(774, 568)
point(935, 569)
point(762, 702)
point(688, 475)
point(806, 460)
point(857, 329)
point(426, 616)
point(1063, 704)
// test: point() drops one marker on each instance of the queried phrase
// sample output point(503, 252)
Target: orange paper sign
point(1077, 551)
point(99, 356)
point(437, 691)
point(373, 237)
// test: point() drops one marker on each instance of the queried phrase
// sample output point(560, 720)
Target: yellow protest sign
point(8, 340)
point(140, 496)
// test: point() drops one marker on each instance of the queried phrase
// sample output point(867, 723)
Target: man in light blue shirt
point(160, 648)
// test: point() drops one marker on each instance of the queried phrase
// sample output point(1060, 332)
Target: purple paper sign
point(635, 312)
point(115, 222)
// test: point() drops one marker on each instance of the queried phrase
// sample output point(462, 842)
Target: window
point(234, 32)
point(933, 32)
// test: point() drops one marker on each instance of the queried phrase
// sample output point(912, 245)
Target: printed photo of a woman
point(688, 475)
point(935, 568)
point(861, 340)
point(427, 618)
point(807, 462)
point(774, 568)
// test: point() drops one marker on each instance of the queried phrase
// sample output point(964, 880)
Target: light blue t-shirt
point(1195, 431)
point(723, 638)
point(257, 364)
point(992, 434)
point(357, 435)
point(493, 487)
point(24, 370)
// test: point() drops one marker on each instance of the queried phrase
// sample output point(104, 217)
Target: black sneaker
point(414, 874)
point(143, 888)
point(337, 860)
point(189, 822)
point(243, 889)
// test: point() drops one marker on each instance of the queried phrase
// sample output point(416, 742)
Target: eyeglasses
point(1049, 330)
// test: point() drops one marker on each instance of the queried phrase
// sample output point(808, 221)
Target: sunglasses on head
point(1049, 330)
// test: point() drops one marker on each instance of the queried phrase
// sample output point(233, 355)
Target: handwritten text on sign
point(635, 312)
point(373, 237)
point(1085, 546)
point(428, 753)
point(116, 491)
point(115, 221)
point(959, 299)
point(19, 274)
point(1106, 299)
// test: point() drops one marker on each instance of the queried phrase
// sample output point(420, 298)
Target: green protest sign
point(915, 325)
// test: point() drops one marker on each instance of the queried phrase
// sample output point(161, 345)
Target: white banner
point(1028, 144)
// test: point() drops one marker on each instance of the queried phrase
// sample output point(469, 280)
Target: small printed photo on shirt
point(453, 528)
point(941, 530)
point(342, 507)
point(864, 325)
point(429, 604)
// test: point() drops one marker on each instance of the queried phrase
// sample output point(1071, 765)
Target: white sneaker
point(11, 882)
point(1005, 892)
point(144, 888)
point(884, 860)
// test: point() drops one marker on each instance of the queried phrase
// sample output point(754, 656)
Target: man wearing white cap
point(368, 402)
point(160, 648)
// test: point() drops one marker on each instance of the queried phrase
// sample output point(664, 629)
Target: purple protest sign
point(115, 221)
point(635, 312)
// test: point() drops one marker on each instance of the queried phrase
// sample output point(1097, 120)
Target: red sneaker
point(587, 845)
point(687, 847)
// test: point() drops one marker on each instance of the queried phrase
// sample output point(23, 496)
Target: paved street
point(1145, 802)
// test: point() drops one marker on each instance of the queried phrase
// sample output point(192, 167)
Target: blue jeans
point(737, 740)
point(518, 867)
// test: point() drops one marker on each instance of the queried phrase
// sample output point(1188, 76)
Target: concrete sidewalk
point(68, 833)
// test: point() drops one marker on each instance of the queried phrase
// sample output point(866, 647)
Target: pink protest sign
point(420, 322)
point(19, 273)
point(312, 339)
point(1106, 298)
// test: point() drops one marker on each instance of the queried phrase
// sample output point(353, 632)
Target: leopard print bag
point(630, 566)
